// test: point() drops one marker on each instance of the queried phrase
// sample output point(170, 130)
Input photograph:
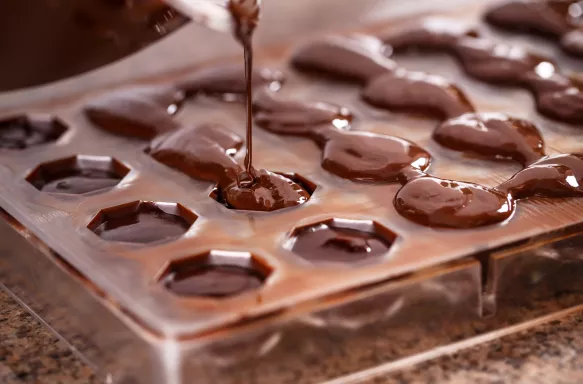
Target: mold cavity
point(21, 132)
point(142, 222)
point(341, 241)
point(77, 175)
point(215, 274)
point(307, 185)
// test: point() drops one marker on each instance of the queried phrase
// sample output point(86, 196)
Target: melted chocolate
point(557, 96)
point(205, 152)
point(147, 224)
point(492, 135)
point(78, 181)
point(228, 82)
point(357, 156)
point(418, 92)
point(21, 132)
point(559, 19)
point(216, 281)
point(437, 202)
point(328, 243)
point(356, 57)
point(554, 176)
point(140, 112)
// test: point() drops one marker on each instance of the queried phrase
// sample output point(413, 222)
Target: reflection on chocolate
point(357, 156)
point(216, 281)
point(557, 96)
point(558, 19)
point(492, 135)
point(554, 176)
point(78, 181)
point(418, 92)
point(228, 81)
point(269, 192)
point(140, 112)
point(437, 202)
point(327, 243)
point(433, 34)
point(206, 152)
point(21, 132)
point(145, 225)
point(356, 57)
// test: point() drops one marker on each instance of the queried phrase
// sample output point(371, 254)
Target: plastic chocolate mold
point(78, 175)
point(341, 241)
point(24, 131)
point(435, 290)
point(142, 222)
point(215, 274)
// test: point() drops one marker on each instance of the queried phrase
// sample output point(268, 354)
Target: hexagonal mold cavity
point(23, 131)
point(78, 175)
point(215, 274)
point(308, 185)
point(142, 222)
point(341, 241)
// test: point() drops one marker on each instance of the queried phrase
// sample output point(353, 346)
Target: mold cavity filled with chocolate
point(215, 274)
point(341, 241)
point(78, 175)
point(142, 222)
point(21, 132)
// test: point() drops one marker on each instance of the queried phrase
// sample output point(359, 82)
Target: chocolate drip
point(492, 135)
point(418, 92)
point(435, 202)
point(357, 57)
point(557, 96)
point(140, 112)
point(228, 82)
point(216, 281)
point(21, 132)
point(554, 176)
point(205, 152)
point(357, 156)
point(558, 19)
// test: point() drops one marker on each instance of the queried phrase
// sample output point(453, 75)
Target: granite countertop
point(551, 353)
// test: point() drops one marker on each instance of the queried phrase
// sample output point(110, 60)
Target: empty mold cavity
point(77, 175)
point(142, 222)
point(23, 131)
point(341, 241)
point(308, 185)
point(215, 274)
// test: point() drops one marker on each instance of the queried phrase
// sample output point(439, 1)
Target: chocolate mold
point(142, 222)
point(24, 131)
point(341, 241)
point(77, 175)
point(215, 274)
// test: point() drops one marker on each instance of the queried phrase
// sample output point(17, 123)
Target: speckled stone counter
point(552, 353)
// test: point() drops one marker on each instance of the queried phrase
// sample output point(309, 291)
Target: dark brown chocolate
point(78, 181)
point(435, 202)
point(214, 281)
point(557, 19)
point(326, 243)
point(140, 112)
point(228, 82)
point(146, 224)
point(357, 156)
point(21, 132)
point(205, 152)
point(356, 57)
point(492, 135)
point(553, 176)
point(417, 92)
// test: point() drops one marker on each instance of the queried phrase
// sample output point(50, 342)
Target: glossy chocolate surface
point(78, 181)
point(21, 132)
point(329, 243)
point(213, 281)
point(140, 112)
